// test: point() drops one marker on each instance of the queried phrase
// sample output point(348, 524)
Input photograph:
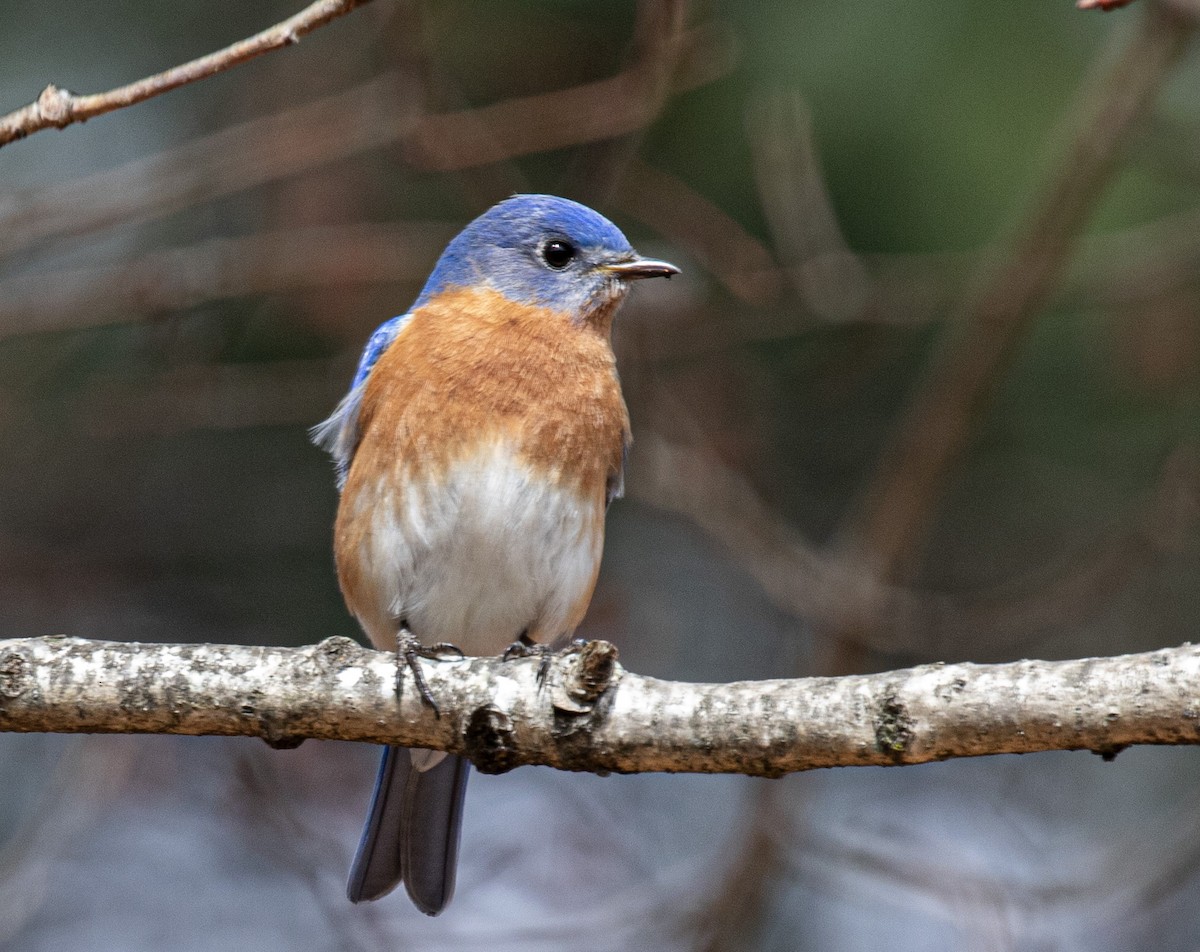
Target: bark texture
point(590, 714)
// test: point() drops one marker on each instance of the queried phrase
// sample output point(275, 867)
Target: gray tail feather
point(412, 832)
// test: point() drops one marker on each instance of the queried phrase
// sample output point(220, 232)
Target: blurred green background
point(185, 286)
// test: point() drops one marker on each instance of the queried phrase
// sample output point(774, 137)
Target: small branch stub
point(586, 671)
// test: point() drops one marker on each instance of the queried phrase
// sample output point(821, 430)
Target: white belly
point(481, 557)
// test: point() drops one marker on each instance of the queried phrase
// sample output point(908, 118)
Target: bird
point(482, 439)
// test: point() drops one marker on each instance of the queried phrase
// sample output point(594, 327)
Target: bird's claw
point(411, 651)
point(524, 648)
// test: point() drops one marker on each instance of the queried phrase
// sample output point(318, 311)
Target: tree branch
point(590, 714)
point(58, 108)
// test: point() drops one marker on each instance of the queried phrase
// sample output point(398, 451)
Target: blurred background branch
point(925, 392)
point(890, 521)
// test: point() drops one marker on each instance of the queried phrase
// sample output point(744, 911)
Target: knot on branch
point(575, 679)
point(55, 105)
point(14, 674)
point(586, 669)
point(893, 726)
point(338, 651)
point(489, 741)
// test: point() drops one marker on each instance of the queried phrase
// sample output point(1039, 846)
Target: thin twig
point(58, 108)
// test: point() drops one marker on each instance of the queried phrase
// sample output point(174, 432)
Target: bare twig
point(58, 108)
point(590, 714)
point(340, 125)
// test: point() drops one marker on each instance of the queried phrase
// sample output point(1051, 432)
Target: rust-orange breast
point(473, 365)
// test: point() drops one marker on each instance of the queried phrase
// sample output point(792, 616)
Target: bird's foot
point(410, 651)
point(525, 647)
point(439, 651)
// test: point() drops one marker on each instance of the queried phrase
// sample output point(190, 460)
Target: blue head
point(547, 251)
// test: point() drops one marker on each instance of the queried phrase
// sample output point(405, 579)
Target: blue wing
point(616, 481)
point(339, 433)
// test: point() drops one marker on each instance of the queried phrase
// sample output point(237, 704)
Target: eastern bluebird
point(480, 444)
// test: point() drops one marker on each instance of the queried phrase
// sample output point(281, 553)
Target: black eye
point(558, 253)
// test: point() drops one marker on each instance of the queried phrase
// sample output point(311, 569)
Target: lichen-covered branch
point(58, 108)
point(590, 714)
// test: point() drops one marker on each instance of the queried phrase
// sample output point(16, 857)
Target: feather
point(339, 434)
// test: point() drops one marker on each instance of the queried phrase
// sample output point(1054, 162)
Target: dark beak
point(641, 268)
